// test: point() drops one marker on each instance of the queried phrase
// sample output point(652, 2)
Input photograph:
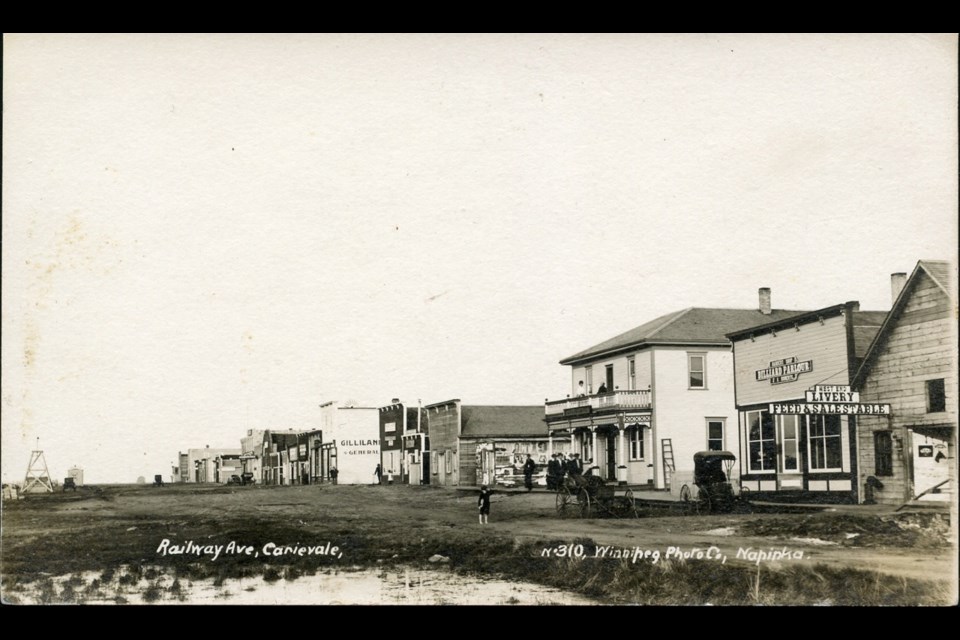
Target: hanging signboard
point(828, 408)
point(834, 393)
point(785, 370)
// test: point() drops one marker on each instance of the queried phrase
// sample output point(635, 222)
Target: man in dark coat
point(553, 473)
point(528, 468)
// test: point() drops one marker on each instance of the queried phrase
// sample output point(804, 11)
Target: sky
point(204, 234)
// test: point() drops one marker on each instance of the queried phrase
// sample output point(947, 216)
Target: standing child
point(483, 503)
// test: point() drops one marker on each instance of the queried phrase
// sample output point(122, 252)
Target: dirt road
point(58, 533)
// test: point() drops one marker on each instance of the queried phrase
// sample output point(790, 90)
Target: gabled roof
point(692, 326)
point(937, 270)
point(503, 421)
point(866, 325)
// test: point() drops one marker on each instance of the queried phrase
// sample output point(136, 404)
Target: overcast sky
point(206, 234)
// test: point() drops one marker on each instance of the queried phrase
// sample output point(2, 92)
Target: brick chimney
point(765, 300)
point(897, 282)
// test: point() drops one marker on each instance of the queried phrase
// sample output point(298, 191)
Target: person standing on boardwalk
point(528, 468)
point(333, 475)
point(379, 473)
point(483, 503)
point(553, 473)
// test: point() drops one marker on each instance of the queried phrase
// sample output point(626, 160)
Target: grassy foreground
point(103, 535)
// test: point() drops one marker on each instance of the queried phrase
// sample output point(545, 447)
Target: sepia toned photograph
point(479, 319)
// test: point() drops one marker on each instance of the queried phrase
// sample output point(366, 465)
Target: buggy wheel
point(565, 501)
point(704, 502)
point(583, 499)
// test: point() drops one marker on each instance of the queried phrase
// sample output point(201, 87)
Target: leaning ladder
point(668, 465)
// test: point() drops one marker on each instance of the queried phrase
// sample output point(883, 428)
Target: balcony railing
point(616, 400)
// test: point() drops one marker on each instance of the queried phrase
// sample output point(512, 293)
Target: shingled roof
point(694, 326)
point(501, 421)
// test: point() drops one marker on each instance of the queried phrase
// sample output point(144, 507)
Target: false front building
point(642, 403)
point(797, 409)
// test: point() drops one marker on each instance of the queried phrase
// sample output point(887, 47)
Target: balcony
point(637, 400)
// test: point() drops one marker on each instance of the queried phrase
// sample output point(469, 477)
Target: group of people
point(560, 466)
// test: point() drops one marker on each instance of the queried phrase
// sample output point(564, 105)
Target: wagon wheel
point(583, 498)
point(565, 501)
point(704, 502)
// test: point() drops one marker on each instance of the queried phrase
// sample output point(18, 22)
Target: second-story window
point(936, 396)
point(697, 370)
point(588, 374)
point(631, 374)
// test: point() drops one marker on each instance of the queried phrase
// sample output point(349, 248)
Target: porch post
point(593, 446)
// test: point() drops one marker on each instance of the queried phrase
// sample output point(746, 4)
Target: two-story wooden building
point(643, 402)
point(798, 413)
point(404, 443)
point(912, 366)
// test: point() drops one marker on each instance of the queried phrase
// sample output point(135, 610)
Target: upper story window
point(697, 370)
point(631, 374)
point(588, 374)
point(936, 396)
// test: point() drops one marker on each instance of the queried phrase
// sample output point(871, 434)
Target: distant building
point(209, 465)
point(76, 473)
point(404, 442)
point(351, 442)
point(912, 366)
point(275, 457)
point(495, 441)
point(474, 444)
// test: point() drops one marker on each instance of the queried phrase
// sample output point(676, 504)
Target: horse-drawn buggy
point(587, 496)
point(712, 489)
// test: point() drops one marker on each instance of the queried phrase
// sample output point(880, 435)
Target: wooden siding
point(825, 345)
point(919, 346)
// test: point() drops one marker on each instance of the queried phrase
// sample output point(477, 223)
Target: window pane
point(716, 430)
point(755, 455)
point(883, 453)
point(936, 396)
point(767, 426)
point(753, 420)
point(789, 427)
point(790, 455)
point(696, 379)
point(834, 454)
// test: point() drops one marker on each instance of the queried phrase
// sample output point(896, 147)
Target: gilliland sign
point(359, 448)
point(785, 370)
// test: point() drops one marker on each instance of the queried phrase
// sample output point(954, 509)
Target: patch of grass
point(271, 575)
point(152, 593)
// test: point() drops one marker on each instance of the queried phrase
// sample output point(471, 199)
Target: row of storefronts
point(835, 404)
point(830, 405)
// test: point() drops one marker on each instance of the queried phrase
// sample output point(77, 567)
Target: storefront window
point(761, 441)
point(826, 447)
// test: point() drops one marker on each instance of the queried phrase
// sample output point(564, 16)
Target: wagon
point(589, 495)
point(712, 490)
